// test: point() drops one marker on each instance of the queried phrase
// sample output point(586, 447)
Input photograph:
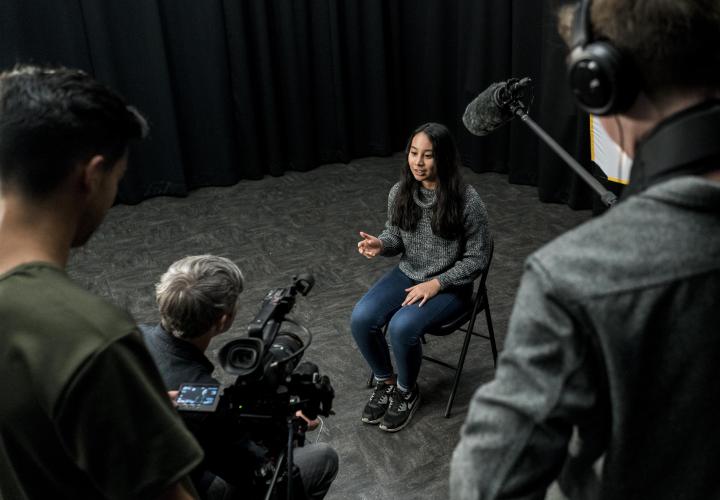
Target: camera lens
point(242, 358)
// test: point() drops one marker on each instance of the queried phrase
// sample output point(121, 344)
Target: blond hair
point(195, 292)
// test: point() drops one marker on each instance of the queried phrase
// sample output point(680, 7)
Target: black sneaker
point(378, 404)
point(401, 409)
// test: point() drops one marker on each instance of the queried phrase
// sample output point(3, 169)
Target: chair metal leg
point(491, 332)
point(461, 362)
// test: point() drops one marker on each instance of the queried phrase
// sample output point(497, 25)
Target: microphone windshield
point(485, 113)
point(497, 105)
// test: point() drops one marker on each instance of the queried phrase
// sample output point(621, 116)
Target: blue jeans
point(382, 304)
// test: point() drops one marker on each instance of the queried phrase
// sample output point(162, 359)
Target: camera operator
point(197, 299)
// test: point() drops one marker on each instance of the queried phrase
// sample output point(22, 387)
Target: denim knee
point(404, 332)
point(359, 321)
point(362, 320)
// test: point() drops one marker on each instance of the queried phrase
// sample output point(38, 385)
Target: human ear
point(225, 322)
point(93, 172)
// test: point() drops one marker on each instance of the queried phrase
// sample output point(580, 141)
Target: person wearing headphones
point(606, 382)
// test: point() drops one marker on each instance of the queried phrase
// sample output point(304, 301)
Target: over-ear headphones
point(603, 80)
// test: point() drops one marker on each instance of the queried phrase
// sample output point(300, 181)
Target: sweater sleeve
point(477, 243)
point(391, 237)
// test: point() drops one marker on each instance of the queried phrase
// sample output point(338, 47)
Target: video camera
point(271, 384)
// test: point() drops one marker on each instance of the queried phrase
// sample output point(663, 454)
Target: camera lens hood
point(241, 357)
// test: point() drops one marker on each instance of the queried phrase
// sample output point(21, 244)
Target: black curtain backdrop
point(238, 89)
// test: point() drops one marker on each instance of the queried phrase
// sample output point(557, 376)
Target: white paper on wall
point(608, 155)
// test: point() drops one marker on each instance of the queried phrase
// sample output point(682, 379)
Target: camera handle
point(276, 304)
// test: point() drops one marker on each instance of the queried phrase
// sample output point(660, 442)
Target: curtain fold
point(241, 89)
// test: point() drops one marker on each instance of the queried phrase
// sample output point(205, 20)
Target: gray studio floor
point(277, 227)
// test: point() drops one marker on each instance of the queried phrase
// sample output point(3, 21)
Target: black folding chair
point(479, 303)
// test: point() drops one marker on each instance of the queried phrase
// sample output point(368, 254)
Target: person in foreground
point(607, 382)
point(438, 224)
point(84, 412)
point(197, 297)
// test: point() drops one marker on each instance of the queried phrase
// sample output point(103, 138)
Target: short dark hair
point(53, 118)
point(672, 43)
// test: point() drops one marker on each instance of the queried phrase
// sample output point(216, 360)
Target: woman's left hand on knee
point(422, 292)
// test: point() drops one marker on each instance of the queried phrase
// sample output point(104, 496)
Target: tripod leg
point(291, 431)
point(279, 465)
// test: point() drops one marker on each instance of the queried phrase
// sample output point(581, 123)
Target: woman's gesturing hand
point(370, 246)
point(422, 292)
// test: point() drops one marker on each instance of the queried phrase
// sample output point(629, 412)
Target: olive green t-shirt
point(83, 411)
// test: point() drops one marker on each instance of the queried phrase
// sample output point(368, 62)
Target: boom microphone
point(492, 108)
point(500, 102)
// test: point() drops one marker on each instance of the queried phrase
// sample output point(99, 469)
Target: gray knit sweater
point(426, 256)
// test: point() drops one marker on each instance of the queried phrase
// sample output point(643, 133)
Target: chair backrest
point(476, 304)
point(483, 277)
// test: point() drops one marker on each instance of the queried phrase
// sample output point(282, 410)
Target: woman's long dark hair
point(447, 215)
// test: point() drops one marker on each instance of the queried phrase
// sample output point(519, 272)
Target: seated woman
point(438, 224)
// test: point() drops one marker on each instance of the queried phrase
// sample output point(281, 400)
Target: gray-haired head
point(195, 292)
